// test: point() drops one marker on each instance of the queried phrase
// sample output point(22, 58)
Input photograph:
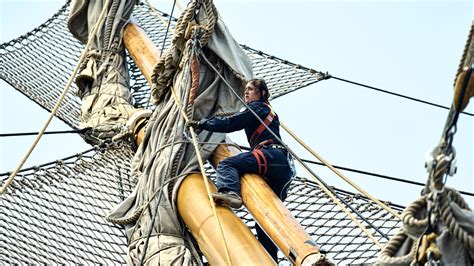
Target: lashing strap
point(262, 127)
point(260, 157)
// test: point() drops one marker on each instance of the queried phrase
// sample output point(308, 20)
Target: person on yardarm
point(267, 156)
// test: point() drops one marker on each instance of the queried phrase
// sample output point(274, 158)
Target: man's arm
point(232, 123)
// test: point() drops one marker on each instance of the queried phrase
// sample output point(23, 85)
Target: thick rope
point(416, 226)
point(412, 224)
point(321, 183)
point(203, 173)
point(443, 162)
point(361, 190)
point(58, 103)
point(389, 250)
point(448, 218)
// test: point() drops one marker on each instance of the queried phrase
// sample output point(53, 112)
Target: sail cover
point(103, 80)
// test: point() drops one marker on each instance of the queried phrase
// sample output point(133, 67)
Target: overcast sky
point(408, 47)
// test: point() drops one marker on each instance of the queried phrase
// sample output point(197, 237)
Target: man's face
point(252, 94)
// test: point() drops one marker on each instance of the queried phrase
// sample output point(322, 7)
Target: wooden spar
point(272, 215)
point(141, 49)
point(194, 208)
point(193, 202)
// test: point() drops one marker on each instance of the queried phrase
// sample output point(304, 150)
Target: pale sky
point(408, 47)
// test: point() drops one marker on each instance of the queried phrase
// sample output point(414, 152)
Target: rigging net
point(55, 213)
point(38, 64)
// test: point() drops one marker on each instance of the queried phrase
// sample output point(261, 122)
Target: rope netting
point(39, 63)
point(56, 213)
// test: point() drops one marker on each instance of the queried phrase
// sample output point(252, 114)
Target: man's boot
point(228, 198)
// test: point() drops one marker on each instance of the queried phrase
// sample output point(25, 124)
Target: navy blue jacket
point(245, 120)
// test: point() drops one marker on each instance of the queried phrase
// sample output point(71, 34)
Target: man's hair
point(261, 85)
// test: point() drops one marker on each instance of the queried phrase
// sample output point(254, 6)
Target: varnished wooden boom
point(195, 210)
point(272, 215)
point(141, 49)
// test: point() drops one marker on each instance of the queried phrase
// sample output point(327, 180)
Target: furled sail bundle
point(103, 78)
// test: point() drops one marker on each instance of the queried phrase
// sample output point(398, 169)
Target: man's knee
point(242, 163)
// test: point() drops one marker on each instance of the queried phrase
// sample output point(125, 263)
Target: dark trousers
point(278, 177)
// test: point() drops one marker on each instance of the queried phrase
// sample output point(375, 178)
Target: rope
point(397, 94)
point(58, 103)
point(167, 28)
point(448, 218)
point(435, 205)
point(203, 173)
point(337, 172)
point(168, 24)
point(329, 191)
point(82, 130)
point(392, 246)
point(158, 14)
point(180, 8)
point(165, 68)
point(414, 226)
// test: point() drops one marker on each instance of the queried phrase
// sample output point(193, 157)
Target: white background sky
point(408, 47)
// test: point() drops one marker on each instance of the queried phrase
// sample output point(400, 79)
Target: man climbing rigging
point(267, 158)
